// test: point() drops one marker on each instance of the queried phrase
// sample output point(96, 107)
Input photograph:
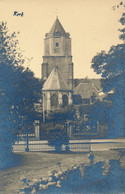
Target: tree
point(18, 92)
point(55, 127)
point(28, 92)
point(111, 66)
point(7, 72)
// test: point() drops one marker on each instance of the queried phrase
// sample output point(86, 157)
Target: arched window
point(65, 100)
point(54, 101)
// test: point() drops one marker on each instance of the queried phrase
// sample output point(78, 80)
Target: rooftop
point(57, 30)
point(86, 90)
point(55, 81)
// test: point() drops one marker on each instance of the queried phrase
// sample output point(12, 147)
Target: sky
point(92, 25)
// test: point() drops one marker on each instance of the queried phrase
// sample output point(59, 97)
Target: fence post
point(37, 129)
point(67, 135)
point(27, 142)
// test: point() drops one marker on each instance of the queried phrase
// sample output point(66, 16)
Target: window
point(57, 33)
point(54, 101)
point(65, 100)
point(57, 44)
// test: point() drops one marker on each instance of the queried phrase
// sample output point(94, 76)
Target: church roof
point(57, 30)
point(86, 90)
point(96, 82)
point(55, 81)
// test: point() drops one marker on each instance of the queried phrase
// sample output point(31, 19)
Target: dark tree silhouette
point(18, 92)
point(111, 66)
point(55, 127)
point(27, 93)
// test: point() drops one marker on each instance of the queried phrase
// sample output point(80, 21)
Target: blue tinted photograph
point(62, 97)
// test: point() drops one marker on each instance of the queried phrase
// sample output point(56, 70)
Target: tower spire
point(57, 29)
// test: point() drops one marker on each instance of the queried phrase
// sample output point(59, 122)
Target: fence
point(74, 146)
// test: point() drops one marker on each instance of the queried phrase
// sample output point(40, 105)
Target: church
point(60, 88)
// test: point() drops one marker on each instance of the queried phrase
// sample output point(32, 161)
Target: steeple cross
point(57, 12)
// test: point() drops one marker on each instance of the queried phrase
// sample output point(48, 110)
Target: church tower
point(57, 53)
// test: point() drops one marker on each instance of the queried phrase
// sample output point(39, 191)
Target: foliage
point(93, 176)
point(61, 114)
point(55, 127)
point(122, 21)
point(27, 93)
point(18, 91)
point(7, 80)
point(112, 69)
point(55, 134)
point(57, 137)
point(89, 117)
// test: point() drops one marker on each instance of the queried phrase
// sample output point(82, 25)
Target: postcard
point(62, 99)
